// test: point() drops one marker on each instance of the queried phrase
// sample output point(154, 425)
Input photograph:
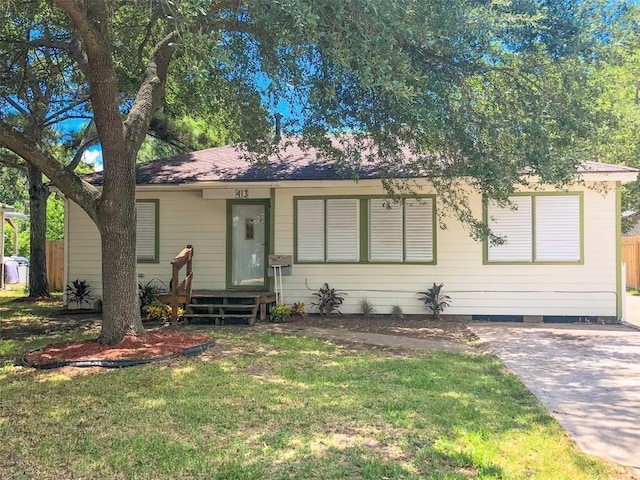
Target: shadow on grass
point(285, 407)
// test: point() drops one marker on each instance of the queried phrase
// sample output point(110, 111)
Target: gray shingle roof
point(231, 164)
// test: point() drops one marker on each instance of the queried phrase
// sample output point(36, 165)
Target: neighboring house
point(561, 257)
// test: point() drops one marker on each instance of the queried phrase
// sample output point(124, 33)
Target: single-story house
point(561, 258)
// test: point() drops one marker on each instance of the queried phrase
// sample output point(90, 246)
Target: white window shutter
point(515, 227)
point(557, 228)
point(418, 218)
point(385, 231)
point(146, 230)
point(310, 230)
point(343, 226)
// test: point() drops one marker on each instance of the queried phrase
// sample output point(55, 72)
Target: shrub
point(148, 291)
point(397, 313)
point(366, 307)
point(78, 291)
point(299, 310)
point(158, 311)
point(329, 300)
point(435, 300)
point(280, 313)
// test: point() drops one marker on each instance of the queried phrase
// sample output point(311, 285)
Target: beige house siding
point(475, 288)
point(588, 289)
point(184, 218)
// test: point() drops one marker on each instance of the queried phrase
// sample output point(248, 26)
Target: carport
point(8, 215)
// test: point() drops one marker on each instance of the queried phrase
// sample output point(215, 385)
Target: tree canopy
point(480, 90)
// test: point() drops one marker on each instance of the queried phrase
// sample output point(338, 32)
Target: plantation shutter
point(557, 224)
point(342, 230)
point(310, 230)
point(385, 231)
point(515, 227)
point(418, 230)
point(146, 230)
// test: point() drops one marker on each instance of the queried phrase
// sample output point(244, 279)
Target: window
point(328, 230)
point(147, 244)
point(401, 232)
point(541, 228)
point(364, 230)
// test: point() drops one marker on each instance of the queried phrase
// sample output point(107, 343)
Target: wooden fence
point(631, 256)
point(55, 264)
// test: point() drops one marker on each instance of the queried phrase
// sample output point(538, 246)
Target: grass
point(280, 407)
point(634, 292)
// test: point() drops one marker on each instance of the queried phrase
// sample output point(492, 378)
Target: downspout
point(619, 292)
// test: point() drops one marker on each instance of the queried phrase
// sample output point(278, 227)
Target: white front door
point(248, 243)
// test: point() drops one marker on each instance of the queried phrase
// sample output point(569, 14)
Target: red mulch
point(153, 344)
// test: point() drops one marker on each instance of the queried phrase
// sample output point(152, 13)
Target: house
point(561, 258)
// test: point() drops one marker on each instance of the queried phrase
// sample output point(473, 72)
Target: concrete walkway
point(587, 376)
point(377, 339)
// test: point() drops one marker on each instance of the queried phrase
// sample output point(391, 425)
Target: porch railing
point(180, 290)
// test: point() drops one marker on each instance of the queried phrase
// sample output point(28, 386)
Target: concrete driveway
point(587, 376)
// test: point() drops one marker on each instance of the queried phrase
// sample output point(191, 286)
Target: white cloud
point(93, 156)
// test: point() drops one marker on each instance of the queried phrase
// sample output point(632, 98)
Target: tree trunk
point(117, 225)
point(38, 193)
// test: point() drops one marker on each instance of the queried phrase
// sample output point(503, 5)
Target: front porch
point(213, 305)
point(221, 305)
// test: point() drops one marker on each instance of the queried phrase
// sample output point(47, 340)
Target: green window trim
point(156, 255)
point(364, 234)
point(533, 261)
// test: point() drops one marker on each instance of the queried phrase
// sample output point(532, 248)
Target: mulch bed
point(449, 328)
point(153, 344)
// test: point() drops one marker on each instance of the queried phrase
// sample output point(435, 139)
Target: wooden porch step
point(223, 294)
point(235, 306)
point(219, 315)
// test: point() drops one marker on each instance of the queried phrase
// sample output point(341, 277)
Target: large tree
point(38, 93)
point(479, 90)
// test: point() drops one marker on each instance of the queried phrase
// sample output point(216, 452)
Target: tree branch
point(81, 192)
point(12, 163)
point(92, 22)
point(150, 93)
point(86, 143)
point(17, 106)
point(55, 116)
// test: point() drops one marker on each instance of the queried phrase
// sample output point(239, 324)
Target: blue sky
point(93, 156)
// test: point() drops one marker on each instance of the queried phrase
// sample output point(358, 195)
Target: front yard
point(260, 405)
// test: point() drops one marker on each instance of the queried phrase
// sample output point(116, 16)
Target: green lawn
point(260, 406)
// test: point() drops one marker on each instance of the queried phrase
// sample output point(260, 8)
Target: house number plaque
point(242, 193)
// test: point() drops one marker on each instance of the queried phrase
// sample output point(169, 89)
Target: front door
point(248, 234)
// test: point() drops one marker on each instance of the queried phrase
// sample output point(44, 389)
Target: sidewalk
point(377, 339)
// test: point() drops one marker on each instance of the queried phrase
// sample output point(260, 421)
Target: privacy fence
point(631, 256)
point(55, 264)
